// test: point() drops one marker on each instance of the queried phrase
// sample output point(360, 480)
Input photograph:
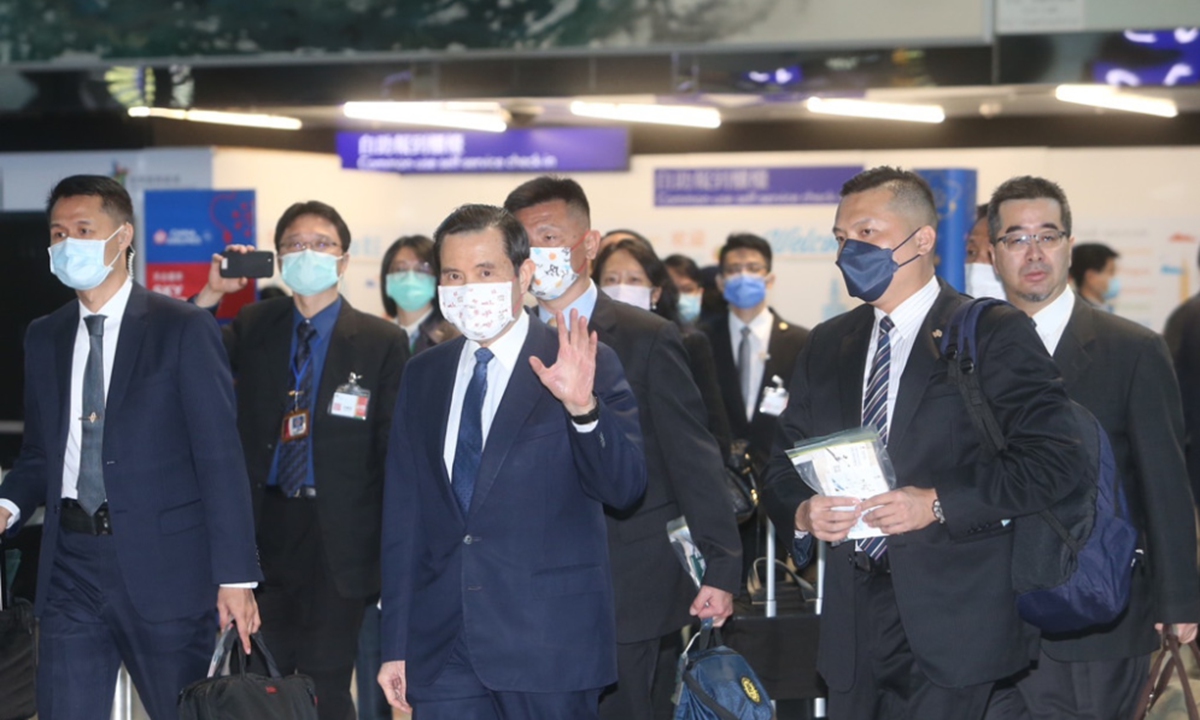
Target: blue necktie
point(875, 412)
point(470, 433)
point(90, 486)
point(293, 456)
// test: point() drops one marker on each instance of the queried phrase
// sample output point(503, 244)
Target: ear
point(926, 239)
point(655, 295)
point(720, 279)
point(343, 262)
point(770, 280)
point(525, 276)
point(591, 244)
point(125, 239)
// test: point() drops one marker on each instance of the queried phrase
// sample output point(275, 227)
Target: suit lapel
point(852, 363)
point(64, 352)
point(771, 368)
point(441, 387)
point(339, 360)
point(922, 361)
point(727, 371)
point(604, 319)
point(1071, 355)
point(522, 394)
point(129, 342)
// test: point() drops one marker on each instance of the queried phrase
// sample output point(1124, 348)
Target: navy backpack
point(1073, 563)
point(718, 684)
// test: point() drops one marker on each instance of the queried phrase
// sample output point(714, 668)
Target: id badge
point(350, 400)
point(774, 398)
point(296, 425)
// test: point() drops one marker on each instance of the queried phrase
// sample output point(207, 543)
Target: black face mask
point(867, 269)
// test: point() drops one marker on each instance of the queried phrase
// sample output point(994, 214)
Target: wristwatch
point(591, 416)
point(937, 511)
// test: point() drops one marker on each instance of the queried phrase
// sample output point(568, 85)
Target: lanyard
point(298, 374)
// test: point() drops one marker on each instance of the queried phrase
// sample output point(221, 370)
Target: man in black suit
point(1182, 334)
point(922, 624)
point(1121, 372)
point(683, 464)
point(754, 349)
point(316, 386)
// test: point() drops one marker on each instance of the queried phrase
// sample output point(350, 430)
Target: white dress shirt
point(1051, 321)
point(760, 342)
point(908, 318)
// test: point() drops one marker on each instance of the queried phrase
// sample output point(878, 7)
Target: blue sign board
point(535, 150)
point(954, 191)
point(816, 185)
point(191, 225)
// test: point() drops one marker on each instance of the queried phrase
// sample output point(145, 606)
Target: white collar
point(760, 326)
point(908, 315)
point(1051, 321)
point(507, 348)
point(115, 307)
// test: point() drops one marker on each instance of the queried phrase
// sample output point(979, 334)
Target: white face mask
point(983, 282)
point(480, 311)
point(635, 295)
point(554, 273)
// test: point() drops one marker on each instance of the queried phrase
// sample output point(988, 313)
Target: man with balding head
point(920, 623)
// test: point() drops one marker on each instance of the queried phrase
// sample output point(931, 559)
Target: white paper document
point(848, 464)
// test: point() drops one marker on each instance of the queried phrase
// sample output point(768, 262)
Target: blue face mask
point(745, 291)
point(79, 264)
point(309, 272)
point(689, 307)
point(867, 269)
point(1114, 289)
point(411, 290)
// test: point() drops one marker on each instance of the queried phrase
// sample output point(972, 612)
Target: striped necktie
point(875, 411)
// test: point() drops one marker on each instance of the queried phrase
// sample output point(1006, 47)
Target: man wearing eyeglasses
point(1122, 373)
point(316, 384)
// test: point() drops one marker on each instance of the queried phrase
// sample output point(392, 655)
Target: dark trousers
point(888, 682)
point(309, 627)
point(372, 703)
point(1092, 690)
point(89, 627)
point(458, 694)
point(632, 698)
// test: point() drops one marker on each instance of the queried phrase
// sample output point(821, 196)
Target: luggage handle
point(1160, 677)
point(225, 646)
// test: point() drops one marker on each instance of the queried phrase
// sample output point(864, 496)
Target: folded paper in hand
point(852, 463)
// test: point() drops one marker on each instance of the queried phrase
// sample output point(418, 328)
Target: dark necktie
point(744, 366)
point(470, 433)
point(875, 411)
point(293, 455)
point(90, 487)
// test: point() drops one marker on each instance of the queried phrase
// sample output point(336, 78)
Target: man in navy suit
point(131, 444)
point(505, 446)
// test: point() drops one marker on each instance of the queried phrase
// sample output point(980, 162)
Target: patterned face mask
point(480, 311)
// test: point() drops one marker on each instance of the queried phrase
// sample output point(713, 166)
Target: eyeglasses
point(1022, 241)
point(418, 267)
point(319, 244)
point(753, 268)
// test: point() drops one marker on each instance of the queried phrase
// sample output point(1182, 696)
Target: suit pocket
point(569, 580)
point(181, 517)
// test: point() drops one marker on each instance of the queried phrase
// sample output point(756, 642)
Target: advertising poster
point(184, 228)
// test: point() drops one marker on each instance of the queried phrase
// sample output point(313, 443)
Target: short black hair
point(477, 218)
point(745, 241)
point(321, 210)
point(909, 190)
point(656, 272)
point(1026, 187)
point(422, 247)
point(548, 188)
point(685, 265)
point(114, 200)
point(1089, 256)
point(981, 211)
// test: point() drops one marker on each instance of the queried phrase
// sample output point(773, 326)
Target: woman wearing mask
point(686, 276)
point(628, 270)
point(409, 289)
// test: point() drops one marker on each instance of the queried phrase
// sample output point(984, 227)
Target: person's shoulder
point(787, 329)
point(166, 308)
point(635, 318)
point(373, 325)
point(844, 322)
point(263, 310)
point(441, 355)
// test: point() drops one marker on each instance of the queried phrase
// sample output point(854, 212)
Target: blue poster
point(954, 191)
point(537, 150)
point(690, 187)
point(191, 225)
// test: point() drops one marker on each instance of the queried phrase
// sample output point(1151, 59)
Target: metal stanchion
point(819, 703)
point(123, 699)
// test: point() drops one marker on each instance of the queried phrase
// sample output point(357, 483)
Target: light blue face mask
point(1114, 289)
point(689, 306)
point(79, 264)
point(411, 290)
point(310, 272)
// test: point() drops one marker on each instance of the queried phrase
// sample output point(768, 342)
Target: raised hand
point(571, 377)
point(218, 287)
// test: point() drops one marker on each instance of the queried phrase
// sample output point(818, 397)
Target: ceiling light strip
point(682, 115)
point(434, 114)
point(1111, 98)
point(875, 110)
point(272, 122)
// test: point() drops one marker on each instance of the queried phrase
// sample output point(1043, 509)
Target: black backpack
point(1072, 563)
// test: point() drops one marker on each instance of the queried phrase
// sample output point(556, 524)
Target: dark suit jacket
point(348, 454)
point(786, 342)
point(952, 582)
point(1120, 371)
point(1183, 338)
point(684, 472)
point(434, 331)
point(524, 577)
point(704, 372)
point(173, 468)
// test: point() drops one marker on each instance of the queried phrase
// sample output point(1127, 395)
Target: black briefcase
point(18, 652)
point(242, 695)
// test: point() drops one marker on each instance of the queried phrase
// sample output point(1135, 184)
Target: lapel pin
point(937, 334)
